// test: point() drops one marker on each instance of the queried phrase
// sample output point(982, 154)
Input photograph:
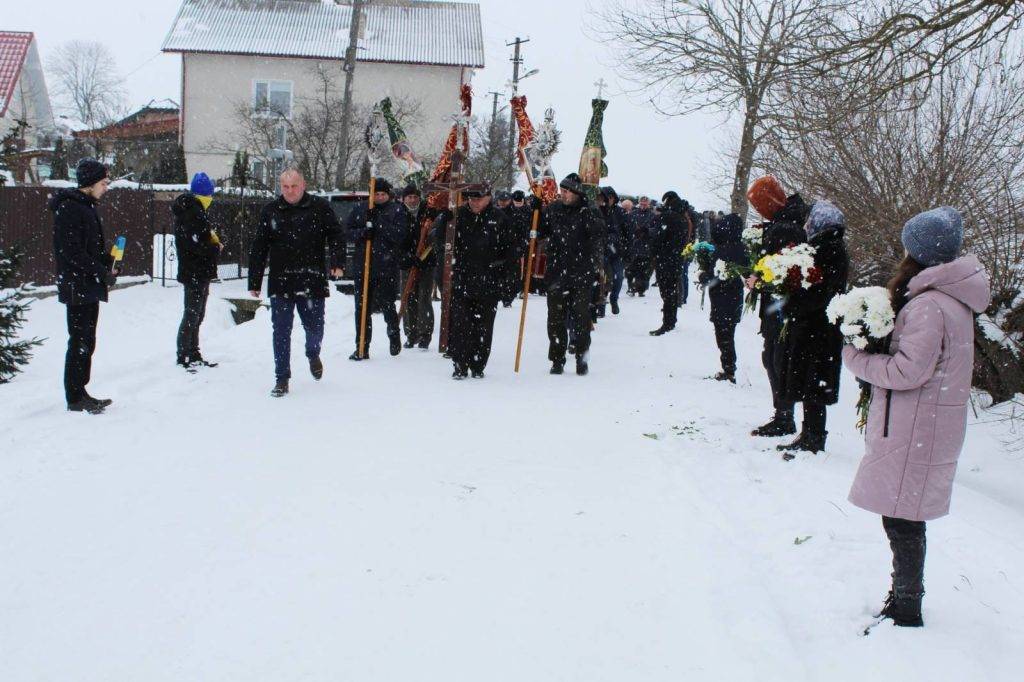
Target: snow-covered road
point(390, 524)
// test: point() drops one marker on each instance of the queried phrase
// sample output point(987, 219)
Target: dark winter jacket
point(786, 229)
point(79, 249)
point(726, 296)
point(575, 244)
point(641, 225)
point(194, 242)
point(484, 248)
point(296, 239)
point(668, 240)
point(615, 228)
point(811, 347)
point(394, 238)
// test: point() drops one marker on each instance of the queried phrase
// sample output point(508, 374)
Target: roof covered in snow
point(402, 31)
point(13, 50)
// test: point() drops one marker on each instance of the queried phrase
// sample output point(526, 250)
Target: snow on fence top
point(403, 31)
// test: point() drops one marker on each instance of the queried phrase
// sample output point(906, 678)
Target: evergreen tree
point(240, 170)
point(13, 353)
point(172, 166)
point(59, 163)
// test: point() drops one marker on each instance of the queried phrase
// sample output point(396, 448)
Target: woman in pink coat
point(918, 412)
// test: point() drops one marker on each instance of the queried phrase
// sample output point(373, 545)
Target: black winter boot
point(86, 404)
point(557, 367)
point(316, 368)
point(904, 611)
point(726, 376)
point(661, 330)
point(102, 402)
point(581, 366)
point(782, 424)
point(460, 372)
point(396, 344)
point(280, 388)
point(807, 442)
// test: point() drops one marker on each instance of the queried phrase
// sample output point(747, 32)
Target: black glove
point(369, 231)
point(534, 203)
point(407, 262)
point(110, 279)
point(428, 261)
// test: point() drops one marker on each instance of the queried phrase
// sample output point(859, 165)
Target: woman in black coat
point(810, 354)
point(726, 295)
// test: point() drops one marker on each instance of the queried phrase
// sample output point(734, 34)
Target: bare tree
point(86, 82)
point(488, 155)
point(913, 39)
point(729, 56)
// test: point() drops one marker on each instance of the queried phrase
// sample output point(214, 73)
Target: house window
point(272, 98)
point(280, 137)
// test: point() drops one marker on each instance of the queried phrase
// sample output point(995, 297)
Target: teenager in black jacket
point(198, 247)
point(726, 295)
point(84, 273)
point(667, 243)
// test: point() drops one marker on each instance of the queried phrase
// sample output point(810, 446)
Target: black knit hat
point(89, 172)
point(572, 183)
point(518, 195)
point(382, 185)
point(411, 190)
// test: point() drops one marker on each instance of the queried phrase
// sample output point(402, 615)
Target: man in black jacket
point(484, 247)
point(197, 246)
point(84, 273)
point(726, 295)
point(295, 231)
point(392, 237)
point(419, 309)
point(785, 227)
point(575, 251)
point(667, 243)
point(641, 223)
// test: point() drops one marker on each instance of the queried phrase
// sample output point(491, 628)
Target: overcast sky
point(646, 152)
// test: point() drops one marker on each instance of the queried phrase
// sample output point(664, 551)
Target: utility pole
point(516, 61)
point(346, 102)
point(494, 108)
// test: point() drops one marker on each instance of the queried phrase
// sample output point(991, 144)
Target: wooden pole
point(526, 284)
point(366, 273)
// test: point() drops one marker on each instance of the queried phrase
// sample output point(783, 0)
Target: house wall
point(214, 85)
point(30, 102)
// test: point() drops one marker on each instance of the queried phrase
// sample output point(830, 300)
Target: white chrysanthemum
point(866, 313)
point(721, 270)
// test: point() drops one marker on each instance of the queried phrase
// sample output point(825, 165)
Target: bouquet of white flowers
point(865, 318)
point(862, 314)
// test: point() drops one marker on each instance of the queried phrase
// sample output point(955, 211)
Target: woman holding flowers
point(810, 350)
point(918, 411)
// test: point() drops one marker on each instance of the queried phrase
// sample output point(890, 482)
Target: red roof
point(13, 49)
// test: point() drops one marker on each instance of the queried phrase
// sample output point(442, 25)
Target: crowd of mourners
point(591, 243)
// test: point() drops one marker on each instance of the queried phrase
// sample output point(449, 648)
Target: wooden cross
point(601, 85)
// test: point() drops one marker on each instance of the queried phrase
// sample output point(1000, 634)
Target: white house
point(266, 52)
point(24, 97)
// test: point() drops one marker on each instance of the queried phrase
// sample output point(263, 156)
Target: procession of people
point(481, 250)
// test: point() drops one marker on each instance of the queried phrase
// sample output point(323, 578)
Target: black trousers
point(192, 317)
point(386, 307)
point(568, 308)
point(907, 540)
point(472, 330)
point(668, 286)
point(814, 417)
point(725, 337)
point(771, 346)
point(82, 321)
point(419, 309)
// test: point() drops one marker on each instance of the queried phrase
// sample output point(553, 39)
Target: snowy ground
point(391, 524)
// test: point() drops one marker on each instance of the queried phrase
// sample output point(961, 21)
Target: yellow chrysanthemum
point(764, 270)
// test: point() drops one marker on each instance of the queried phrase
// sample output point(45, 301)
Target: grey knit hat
point(824, 216)
point(934, 237)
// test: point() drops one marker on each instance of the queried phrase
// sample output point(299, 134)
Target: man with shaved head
point(294, 232)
